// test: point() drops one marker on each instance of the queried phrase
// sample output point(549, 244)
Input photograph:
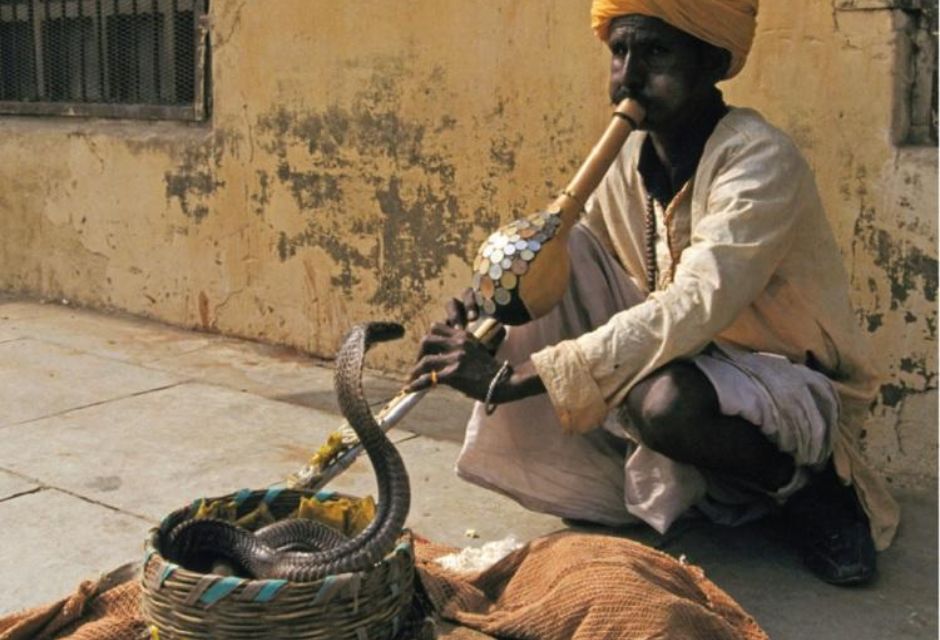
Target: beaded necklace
point(651, 266)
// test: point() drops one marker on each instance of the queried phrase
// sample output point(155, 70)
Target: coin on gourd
point(487, 287)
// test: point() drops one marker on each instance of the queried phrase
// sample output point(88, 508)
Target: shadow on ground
point(762, 570)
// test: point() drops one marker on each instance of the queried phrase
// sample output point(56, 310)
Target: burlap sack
point(566, 586)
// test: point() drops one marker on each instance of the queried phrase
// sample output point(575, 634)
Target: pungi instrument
point(520, 273)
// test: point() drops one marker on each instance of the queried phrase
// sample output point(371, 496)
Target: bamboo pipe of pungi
point(520, 273)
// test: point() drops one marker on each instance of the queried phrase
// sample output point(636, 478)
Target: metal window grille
point(104, 58)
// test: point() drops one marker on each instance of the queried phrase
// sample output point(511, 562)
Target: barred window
point(105, 58)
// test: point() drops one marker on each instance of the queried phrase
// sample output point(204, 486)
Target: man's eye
point(657, 50)
point(618, 50)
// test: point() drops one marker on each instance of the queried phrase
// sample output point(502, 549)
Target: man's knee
point(670, 407)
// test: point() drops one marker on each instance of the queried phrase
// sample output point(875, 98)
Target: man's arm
point(754, 199)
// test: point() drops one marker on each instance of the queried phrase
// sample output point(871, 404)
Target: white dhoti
point(606, 475)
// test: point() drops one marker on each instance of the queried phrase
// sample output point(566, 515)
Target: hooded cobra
point(273, 552)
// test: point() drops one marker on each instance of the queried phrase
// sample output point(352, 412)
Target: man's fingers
point(430, 363)
point(434, 343)
point(456, 313)
point(444, 330)
point(422, 382)
point(430, 371)
point(438, 340)
point(470, 304)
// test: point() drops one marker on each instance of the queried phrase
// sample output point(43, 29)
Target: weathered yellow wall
point(826, 73)
point(359, 152)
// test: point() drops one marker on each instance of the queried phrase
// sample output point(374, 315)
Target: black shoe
point(829, 525)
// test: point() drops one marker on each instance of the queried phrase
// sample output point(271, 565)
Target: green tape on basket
point(241, 496)
point(326, 590)
point(355, 585)
point(269, 590)
point(331, 586)
point(219, 590)
point(272, 494)
point(323, 496)
point(168, 570)
point(261, 590)
point(404, 547)
point(396, 626)
point(361, 633)
point(149, 554)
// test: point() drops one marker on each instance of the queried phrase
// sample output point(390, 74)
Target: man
point(705, 356)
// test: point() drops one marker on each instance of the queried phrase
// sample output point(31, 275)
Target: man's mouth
point(623, 93)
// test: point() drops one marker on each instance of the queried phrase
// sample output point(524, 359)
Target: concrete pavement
point(108, 422)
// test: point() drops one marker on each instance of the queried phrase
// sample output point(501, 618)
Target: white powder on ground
point(474, 559)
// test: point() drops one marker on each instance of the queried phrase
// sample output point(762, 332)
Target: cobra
point(303, 550)
point(520, 273)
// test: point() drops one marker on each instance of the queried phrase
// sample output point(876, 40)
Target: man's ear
point(717, 62)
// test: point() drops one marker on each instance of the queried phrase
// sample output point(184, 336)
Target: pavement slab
point(38, 379)
point(13, 309)
point(114, 336)
point(288, 376)
point(43, 558)
point(154, 452)
point(443, 507)
point(270, 371)
point(448, 510)
point(442, 414)
point(101, 446)
point(13, 485)
point(261, 369)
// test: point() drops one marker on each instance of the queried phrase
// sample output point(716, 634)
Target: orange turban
point(728, 24)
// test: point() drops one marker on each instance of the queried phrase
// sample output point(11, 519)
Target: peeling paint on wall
point(260, 197)
point(352, 167)
point(898, 277)
point(908, 269)
point(195, 179)
point(415, 224)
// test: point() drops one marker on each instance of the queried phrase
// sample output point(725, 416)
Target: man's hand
point(451, 355)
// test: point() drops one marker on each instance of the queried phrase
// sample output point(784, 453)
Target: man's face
point(659, 66)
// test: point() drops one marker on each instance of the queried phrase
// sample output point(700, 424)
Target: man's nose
point(633, 73)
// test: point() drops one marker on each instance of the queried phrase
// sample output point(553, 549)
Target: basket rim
point(404, 544)
point(268, 495)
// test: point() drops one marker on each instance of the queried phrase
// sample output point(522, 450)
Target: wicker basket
point(366, 605)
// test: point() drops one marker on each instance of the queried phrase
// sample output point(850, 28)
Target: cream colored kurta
point(761, 270)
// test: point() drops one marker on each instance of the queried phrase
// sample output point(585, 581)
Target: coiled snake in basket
point(303, 550)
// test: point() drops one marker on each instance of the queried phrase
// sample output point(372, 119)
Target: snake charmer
point(705, 357)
